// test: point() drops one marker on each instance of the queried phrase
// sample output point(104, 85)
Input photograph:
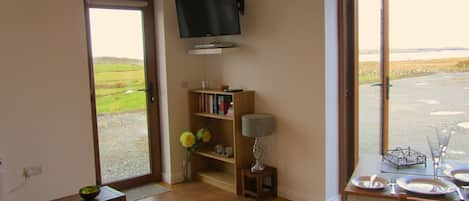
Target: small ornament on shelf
point(223, 151)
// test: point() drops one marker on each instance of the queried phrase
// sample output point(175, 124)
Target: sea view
point(417, 55)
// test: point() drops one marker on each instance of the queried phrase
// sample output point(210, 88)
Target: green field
point(369, 70)
point(115, 86)
point(114, 81)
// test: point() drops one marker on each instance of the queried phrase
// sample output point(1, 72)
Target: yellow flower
point(187, 139)
point(204, 134)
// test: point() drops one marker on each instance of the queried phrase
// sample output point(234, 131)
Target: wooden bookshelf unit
point(222, 116)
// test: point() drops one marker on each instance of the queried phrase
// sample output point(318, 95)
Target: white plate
point(460, 174)
point(425, 185)
point(363, 182)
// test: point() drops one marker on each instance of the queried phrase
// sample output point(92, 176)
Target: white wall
point(176, 68)
point(282, 58)
point(45, 116)
point(332, 102)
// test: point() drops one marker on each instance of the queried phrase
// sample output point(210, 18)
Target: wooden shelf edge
point(214, 116)
point(208, 154)
point(208, 51)
point(218, 92)
point(223, 180)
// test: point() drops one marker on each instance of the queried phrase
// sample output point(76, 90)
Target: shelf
point(212, 51)
point(213, 116)
point(217, 92)
point(223, 180)
point(211, 155)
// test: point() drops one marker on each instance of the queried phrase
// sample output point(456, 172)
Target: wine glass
point(444, 135)
point(435, 150)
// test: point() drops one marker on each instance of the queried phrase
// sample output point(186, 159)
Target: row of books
point(216, 104)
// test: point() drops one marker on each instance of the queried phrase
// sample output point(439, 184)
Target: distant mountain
point(414, 50)
point(116, 60)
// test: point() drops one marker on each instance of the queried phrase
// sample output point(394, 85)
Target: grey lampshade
point(257, 125)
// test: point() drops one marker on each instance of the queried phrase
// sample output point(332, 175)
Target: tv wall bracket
point(241, 6)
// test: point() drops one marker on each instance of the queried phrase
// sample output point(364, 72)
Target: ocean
point(423, 55)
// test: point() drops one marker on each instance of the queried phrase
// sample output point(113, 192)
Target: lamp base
point(257, 167)
point(258, 152)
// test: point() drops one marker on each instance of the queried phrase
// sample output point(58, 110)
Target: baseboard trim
point(166, 177)
point(178, 177)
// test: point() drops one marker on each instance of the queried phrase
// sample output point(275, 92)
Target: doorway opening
point(123, 93)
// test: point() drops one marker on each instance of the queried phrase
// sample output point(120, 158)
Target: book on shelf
point(215, 104)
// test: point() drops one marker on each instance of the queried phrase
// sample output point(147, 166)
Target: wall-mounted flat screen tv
point(203, 18)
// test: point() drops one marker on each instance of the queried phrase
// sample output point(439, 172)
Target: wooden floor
point(197, 191)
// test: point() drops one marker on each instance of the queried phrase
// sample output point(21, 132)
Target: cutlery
point(372, 181)
point(393, 185)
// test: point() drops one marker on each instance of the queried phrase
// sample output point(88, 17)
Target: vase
point(187, 167)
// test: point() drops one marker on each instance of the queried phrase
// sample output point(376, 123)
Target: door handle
point(389, 85)
point(150, 90)
point(380, 85)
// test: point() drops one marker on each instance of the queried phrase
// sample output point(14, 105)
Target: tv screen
point(201, 18)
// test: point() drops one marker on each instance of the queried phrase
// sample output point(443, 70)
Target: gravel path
point(123, 142)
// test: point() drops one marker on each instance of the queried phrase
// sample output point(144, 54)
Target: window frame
point(349, 86)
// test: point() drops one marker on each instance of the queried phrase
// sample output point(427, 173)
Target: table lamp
point(257, 125)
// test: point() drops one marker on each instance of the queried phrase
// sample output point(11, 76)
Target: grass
point(114, 81)
point(369, 70)
point(115, 86)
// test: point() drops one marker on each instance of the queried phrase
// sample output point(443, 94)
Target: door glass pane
point(369, 15)
point(119, 78)
point(429, 72)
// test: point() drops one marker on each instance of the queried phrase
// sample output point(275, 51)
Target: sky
point(116, 33)
point(413, 24)
point(416, 23)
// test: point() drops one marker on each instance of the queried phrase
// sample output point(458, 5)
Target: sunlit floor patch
point(428, 101)
point(464, 125)
point(445, 113)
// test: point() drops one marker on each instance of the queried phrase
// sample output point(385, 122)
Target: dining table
point(373, 164)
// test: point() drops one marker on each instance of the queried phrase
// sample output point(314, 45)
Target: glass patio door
point(430, 74)
point(373, 82)
point(123, 77)
point(413, 74)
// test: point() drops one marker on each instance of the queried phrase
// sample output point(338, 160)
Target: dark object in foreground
point(106, 194)
point(89, 192)
point(401, 157)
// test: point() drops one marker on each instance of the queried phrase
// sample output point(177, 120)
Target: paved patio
point(415, 104)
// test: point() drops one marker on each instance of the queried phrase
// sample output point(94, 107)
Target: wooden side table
point(107, 194)
point(254, 183)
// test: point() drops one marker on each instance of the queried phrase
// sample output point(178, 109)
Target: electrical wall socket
point(32, 171)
